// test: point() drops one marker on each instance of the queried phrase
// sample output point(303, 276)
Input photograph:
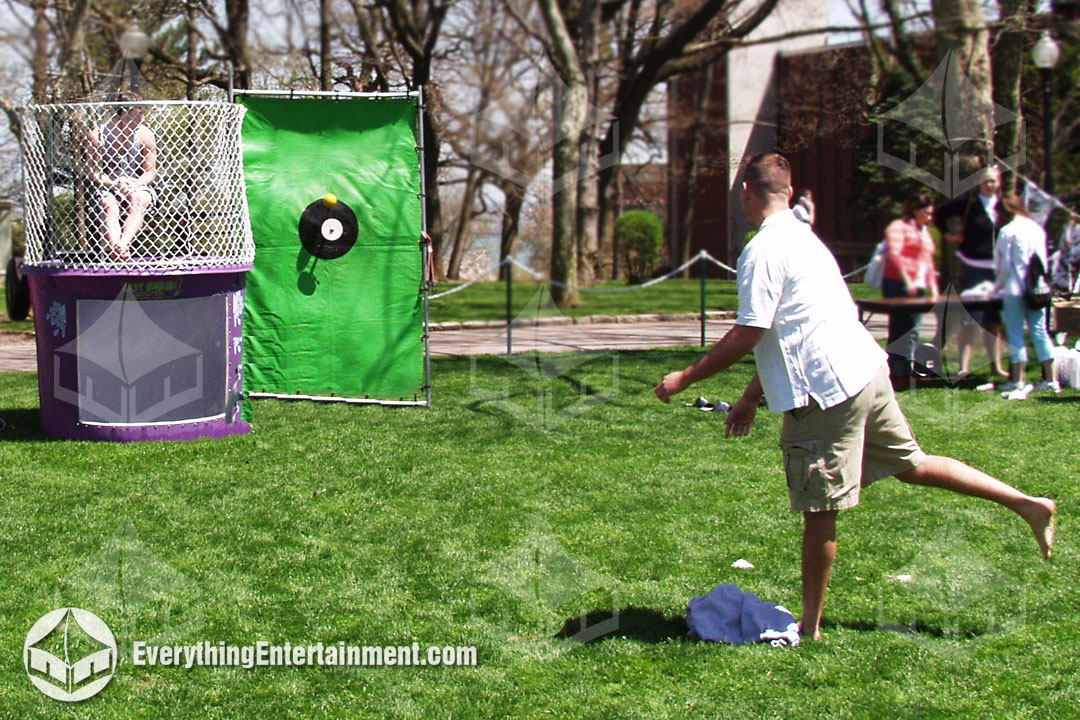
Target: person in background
point(1020, 240)
point(804, 207)
point(971, 221)
point(909, 272)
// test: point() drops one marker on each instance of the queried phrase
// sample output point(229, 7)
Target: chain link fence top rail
point(75, 154)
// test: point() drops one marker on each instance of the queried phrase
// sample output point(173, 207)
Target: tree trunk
point(570, 114)
point(457, 250)
point(1008, 67)
point(588, 207)
point(193, 49)
point(697, 131)
point(515, 200)
point(71, 49)
point(962, 28)
point(605, 224)
point(325, 70)
point(571, 107)
point(39, 62)
point(237, 13)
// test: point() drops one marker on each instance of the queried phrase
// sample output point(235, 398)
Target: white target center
point(332, 229)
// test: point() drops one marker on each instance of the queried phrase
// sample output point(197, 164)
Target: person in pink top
point(909, 272)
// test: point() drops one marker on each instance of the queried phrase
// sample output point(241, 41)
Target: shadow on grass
point(961, 631)
point(1058, 399)
point(21, 425)
point(636, 623)
point(652, 626)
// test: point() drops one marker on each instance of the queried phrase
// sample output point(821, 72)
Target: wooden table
point(918, 305)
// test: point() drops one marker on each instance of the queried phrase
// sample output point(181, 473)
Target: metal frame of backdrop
point(423, 241)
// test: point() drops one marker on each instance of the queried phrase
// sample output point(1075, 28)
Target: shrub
point(641, 237)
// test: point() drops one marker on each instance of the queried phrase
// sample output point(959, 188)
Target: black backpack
point(1037, 292)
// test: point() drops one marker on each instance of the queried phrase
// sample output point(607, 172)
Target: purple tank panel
point(140, 357)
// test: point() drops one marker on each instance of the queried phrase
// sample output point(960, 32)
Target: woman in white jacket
point(1018, 241)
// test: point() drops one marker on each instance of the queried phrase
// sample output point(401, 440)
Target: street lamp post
point(1045, 54)
point(134, 44)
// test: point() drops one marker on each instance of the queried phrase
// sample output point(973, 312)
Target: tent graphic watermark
point(516, 117)
point(144, 596)
point(949, 110)
point(544, 581)
point(964, 601)
point(953, 406)
point(552, 389)
point(130, 370)
point(70, 654)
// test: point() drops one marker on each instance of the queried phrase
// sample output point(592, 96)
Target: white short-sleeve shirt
point(814, 345)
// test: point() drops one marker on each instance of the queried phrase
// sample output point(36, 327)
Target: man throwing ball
point(817, 364)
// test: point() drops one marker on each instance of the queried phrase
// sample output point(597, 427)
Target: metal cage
point(79, 163)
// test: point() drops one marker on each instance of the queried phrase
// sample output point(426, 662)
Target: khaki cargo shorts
point(829, 455)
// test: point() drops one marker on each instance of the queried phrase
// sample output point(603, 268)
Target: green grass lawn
point(527, 496)
point(487, 300)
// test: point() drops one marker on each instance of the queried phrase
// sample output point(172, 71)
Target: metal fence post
point(703, 267)
point(509, 306)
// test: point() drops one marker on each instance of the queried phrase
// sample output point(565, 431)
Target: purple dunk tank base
point(126, 358)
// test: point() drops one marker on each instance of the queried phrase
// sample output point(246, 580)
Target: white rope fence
point(458, 289)
point(610, 291)
point(702, 256)
point(596, 291)
point(853, 273)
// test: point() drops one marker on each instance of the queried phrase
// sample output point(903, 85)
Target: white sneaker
point(1008, 387)
point(1048, 385)
point(1019, 393)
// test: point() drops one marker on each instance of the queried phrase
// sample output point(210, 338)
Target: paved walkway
point(17, 352)
point(568, 338)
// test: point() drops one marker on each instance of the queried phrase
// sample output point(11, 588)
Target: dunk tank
point(138, 239)
point(143, 222)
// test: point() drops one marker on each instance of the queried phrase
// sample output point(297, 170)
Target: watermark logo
point(514, 135)
point(143, 357)
point(950, 112)
point(70, 654)
point(941, 395)
point(547, 584)
point(140, 592)
point(957, 600)
point(130, 370)
point(548, 390)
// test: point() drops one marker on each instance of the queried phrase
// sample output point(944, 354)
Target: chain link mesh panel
point(89, 170)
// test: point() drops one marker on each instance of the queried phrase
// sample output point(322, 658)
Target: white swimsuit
point(125, 161)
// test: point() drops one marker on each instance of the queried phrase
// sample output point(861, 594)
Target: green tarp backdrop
point(350, 326)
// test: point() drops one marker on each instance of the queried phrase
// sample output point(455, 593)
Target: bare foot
point(1040, 516)
point(815, 636)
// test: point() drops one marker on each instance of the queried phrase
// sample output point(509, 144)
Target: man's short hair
point(768, 174)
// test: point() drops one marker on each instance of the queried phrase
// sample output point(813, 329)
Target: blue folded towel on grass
point(729, 615)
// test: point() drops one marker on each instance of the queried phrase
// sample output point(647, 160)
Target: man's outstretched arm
point(738, 341)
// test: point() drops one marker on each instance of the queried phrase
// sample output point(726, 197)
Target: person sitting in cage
point(126, 151)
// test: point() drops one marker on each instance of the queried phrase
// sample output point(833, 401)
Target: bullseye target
point(328, 232)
